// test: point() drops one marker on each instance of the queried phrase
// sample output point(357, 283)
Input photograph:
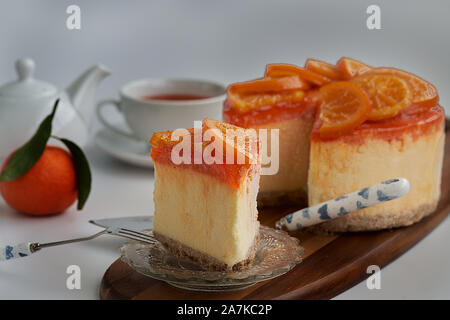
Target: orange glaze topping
point(271, 113)
point(416, 120)
point(398, 100)
point(229, 173)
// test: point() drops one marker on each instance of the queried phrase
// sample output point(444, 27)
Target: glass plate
point(277, 253)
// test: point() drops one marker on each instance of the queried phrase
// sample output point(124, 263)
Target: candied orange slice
point(239, 140)
point(269, 85)
point(327, 70)
point(163, 138)
point(283, 70)
point(345, 106)
point(388, 93)
point(240, 150)
point(246, 96)
point(246, 102)
point(424, 93)
point(350, 68)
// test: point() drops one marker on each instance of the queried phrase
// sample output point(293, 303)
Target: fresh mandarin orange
point(350, 68)
point(388, 93)
point(345, 106)
point(49, 187)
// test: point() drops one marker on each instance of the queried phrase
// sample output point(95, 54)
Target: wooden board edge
point(356, 271)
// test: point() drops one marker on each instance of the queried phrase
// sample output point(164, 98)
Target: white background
point(225, 41)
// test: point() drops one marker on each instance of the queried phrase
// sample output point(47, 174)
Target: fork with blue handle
point(341, 206)
point(25, 249)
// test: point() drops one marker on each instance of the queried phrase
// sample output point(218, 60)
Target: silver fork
point(25, 249)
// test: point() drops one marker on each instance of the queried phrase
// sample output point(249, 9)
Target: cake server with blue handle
point(125, 227)
point(341, 206)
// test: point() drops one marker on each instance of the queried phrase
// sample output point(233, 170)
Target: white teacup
point(146, 116)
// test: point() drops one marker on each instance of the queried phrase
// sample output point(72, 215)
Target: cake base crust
point(184, 252)
point(355, 222)
point(282, 198)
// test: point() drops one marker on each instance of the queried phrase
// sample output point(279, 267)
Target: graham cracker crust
point(184, 252)
point(282, 198)
point(360, 221)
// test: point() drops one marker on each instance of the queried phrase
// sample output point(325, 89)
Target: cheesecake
point(206, 184)
point(287, 126)
point(409, 145)
point(351, 126)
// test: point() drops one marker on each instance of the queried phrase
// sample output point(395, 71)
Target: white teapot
point(26, 102)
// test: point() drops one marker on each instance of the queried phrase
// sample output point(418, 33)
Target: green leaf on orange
point(26, 156)
point(83, 172)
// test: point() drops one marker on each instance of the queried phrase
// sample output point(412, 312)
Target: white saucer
point(135, 152)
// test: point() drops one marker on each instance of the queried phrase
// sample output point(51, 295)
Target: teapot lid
point(26, 86)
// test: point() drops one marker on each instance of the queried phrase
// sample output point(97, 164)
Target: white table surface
point(123, 190)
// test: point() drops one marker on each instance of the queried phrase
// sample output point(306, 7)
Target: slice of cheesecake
point(205, 207)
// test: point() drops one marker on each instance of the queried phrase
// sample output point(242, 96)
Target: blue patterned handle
point(17, 251)
point(378, 193)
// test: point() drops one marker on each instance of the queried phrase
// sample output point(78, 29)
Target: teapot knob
point(25, 68)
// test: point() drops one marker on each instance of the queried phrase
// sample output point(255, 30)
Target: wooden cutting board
point(332, 263)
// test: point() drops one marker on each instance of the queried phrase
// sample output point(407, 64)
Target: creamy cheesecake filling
point(338, 167)
point(294, 122)
point(206, 214)
point(293, 146)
